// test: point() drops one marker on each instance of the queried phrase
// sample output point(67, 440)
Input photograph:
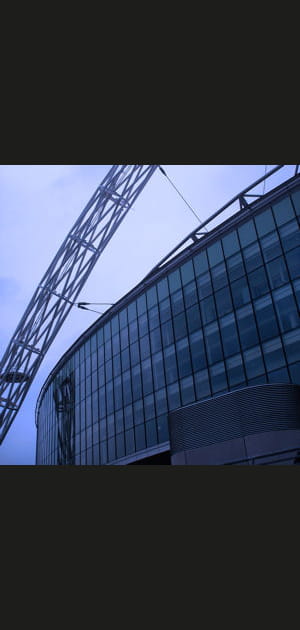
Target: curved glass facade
point(222, 315)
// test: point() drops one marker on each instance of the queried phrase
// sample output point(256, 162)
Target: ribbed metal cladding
point(235, 414)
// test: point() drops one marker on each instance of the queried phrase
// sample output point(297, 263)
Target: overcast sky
point(38, 206)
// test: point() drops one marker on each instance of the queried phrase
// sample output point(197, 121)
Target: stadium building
point(199, 363)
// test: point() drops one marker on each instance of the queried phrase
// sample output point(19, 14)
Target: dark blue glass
point(140, 437)
point(200, 263)
point(167, 333)
point(253, 362)
point(230, 244)
point(223, 301)
point(128, 416)
point(258, 282)
point(295, 373)
point(197, 350)
point(151, 297)
point(102, 402)
point(143, 324)
point(247, 326)
point(229, 335)
point(266, 318)
point(187, 390)
point(286, 308)
point(170, 364)
point(215, 254)
point(141, 304)
point(235, 370)
point(279, 376)
point(129, 442)
point(134, 353)
point(116, 343)
point(177, 302)
point(183, 358)
point(103, 453)
point(127, 394)
point(117, 365)
point(161, 401)
point(208, 310)
point(174, 281)
point(124, 338)
point(173, 396)
point(153, 316)
point(108, 370)
point(125, 359)
point(145, 347)
point(158, 370)
point(165, 310)
point(147, 376)
point(109, 398)
point(291, 342)
point(235, 267)
point(218, 377)
point(293, 262)
point(252, 257)
point(213, 343)
point(240, 292)
point(265, 223)
point(133, 331)
point(136, 382)
point(123, 319)
point(277, 272)
point(180, 328)
point(132, 314)
point(149, 407)
point(202, 384)
point(118, 392)
point(103, 432)
point(247, 233)
point(190, 294)
point(273, 354)
point(119, 421)
point(290, 235)
point(296, 285)
point(115, 325)
point(187, 272)
point(283, 211)
point(163, 429)
point(111, 449)
point(193, 318)
point(162, 289)
point(296, 201)
point(204, 285)
point(120, 445)
point(155, 338)
point(108, 352)
point(270, 246)
point(219, 276)
point(151, 433)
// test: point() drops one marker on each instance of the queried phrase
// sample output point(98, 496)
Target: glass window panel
point(125, 359)
point(151, 433)
point(147, 376)
point(109, 398)
point(133, 331)
point(193, 318)
point(161, 401)
point(129, 441)
point(266, 318)
point(170, 364)
point(124, 338)
point(153, 317)
point(177, 302)
point(187, 390)
point(265, 222)
point(143, 325)
point(200, 263)
point(120, 442)
point(158, 370)
point(145, 347)
point(141, 304)
point(247, 326)
point(108, 370)
point(103, 452)
point(270, 246)
point(277, 272)
point(165, 310)
point(102, 427)
point(174, 281)
point(295, 373)
point(96, 455)
point(290, 235)
point(187, 272)
point(127, 394)
point(190, 294)
point(119, 421)
point(151, 297)
point(155, 338)
point(296, 286)
point(219, 276)
point(215, 253)
point(229, 335)
point(208, 310)
point(247, 233)
point(149, 407)
point(283, 211)
point(132, 314)
point(140, 437)
point(107, 332)
point(293, 262)
point(213, 343)
point(180, 328)
point(202, 384)
point(110, 425)
point(223, 301)
point(291, 342)
point(252, 257)
point(204, 285)
point(123, 318)
point(296, 201)
point(218, 377)
point(118, 392)
point(135, 353)
point(235, 370)
point(115, 325)
point(162, 289)
point(173, 396)
point(258, 282)
point(240, 292)
point(167, 333)
point(183, 358)
point(136, 382)
point(253, 362)
point(101, 355)
point(279, 376)
point(286, 308)
point(87, 345)
point(163, 429)
point(273, 354)
point(117, 365)
point(230, 244)
point(197, 350)
point(235, 267)
point(102, 402)
point(138, 410)
point(128, 416)
point(108, 352)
